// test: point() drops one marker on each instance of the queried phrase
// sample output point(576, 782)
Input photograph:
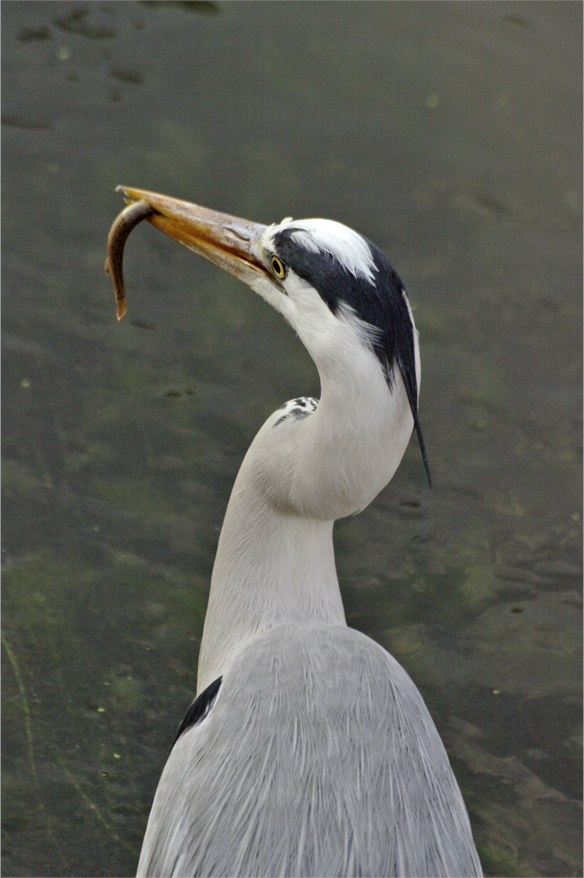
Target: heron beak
point(227, 241)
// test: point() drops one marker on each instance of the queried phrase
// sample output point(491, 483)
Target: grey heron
point(308, 750)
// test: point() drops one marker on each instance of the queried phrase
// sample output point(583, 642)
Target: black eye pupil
point(277, 267)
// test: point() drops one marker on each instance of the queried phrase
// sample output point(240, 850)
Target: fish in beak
point(229, 242)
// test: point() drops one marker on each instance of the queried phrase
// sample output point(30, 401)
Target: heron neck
point(275, 560)
point(271, 568)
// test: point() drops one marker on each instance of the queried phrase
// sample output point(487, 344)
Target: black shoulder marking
point(382, 304)
point(199, 708)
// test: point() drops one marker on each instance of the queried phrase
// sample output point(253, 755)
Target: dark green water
point(448, 133)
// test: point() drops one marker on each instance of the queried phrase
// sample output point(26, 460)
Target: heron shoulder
point(318, 747)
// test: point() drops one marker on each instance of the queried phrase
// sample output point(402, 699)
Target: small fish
point(123, 225)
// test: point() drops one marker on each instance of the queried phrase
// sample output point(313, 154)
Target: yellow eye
point(278, 267)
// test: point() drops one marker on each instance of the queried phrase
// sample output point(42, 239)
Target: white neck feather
point(275, 559)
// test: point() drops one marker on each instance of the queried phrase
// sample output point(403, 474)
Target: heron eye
point(278, 267)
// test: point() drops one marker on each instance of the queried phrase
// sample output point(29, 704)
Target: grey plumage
point(310, 742)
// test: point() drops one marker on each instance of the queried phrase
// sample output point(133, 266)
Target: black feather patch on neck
point(382, 304)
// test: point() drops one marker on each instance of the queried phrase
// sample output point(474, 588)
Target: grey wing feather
point(318, 758)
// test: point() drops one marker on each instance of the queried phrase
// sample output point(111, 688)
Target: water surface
point(449, 134)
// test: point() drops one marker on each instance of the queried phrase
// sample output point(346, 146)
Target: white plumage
point(328, 236)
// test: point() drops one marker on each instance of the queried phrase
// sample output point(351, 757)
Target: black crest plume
point(381, 303)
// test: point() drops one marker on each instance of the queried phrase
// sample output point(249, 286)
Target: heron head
point(320, 274)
